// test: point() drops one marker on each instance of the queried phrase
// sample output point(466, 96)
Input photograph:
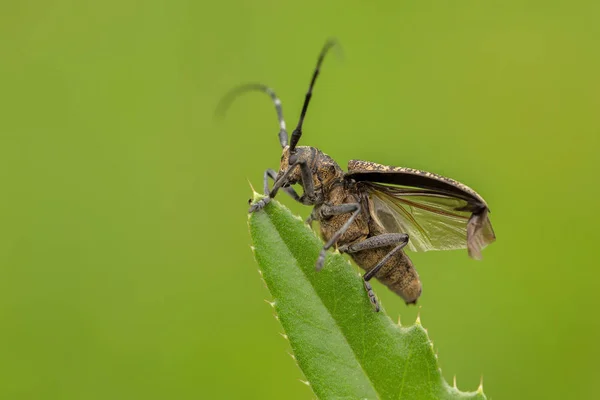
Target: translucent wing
point(434, 220)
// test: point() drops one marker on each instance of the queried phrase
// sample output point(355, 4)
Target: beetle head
point(301, 155)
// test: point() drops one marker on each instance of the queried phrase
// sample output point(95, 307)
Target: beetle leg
point(374, 242)
point(259, 205)
point(370, 274)
point(308, 197)
point(288, 189)
point(309, 220)
point(328, 211)
point(371, 295)
point(385, 239)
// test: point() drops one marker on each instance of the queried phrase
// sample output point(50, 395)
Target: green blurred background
point(125, 268)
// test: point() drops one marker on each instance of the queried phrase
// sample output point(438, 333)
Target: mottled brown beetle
point(374, 211)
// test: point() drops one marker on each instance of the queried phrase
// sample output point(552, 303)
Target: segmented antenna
point(298, 131)
point(225, 103)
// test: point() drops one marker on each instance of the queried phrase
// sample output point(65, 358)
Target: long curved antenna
point(228, 99)
point(298, 131)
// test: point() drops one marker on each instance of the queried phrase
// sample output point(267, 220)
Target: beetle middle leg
point(312, 217)
point(330, 211)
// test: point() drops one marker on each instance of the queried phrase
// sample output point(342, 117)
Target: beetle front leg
point(270, 173)
point(259, 205)
point(309, 196)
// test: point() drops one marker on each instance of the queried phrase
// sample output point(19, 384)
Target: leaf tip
point(454, 382)
point(255, 196)
point(418, 320)
point(283, 335)
point(251, 187)
point(307, 383)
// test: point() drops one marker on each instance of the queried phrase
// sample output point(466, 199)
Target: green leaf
point(345, 349)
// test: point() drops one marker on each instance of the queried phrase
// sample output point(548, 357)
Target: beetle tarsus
point(371, 294)
point(311, 218)
point(321, 260)
point(259, 205)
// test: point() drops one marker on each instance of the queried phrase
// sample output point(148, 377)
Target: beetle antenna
point(298, 131)
point(226, 101)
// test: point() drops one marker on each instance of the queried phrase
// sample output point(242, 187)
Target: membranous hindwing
point(437, 213)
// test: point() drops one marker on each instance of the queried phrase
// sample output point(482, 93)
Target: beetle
point(374, 212)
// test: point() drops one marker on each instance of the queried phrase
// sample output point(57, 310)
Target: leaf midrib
point(342, 331)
